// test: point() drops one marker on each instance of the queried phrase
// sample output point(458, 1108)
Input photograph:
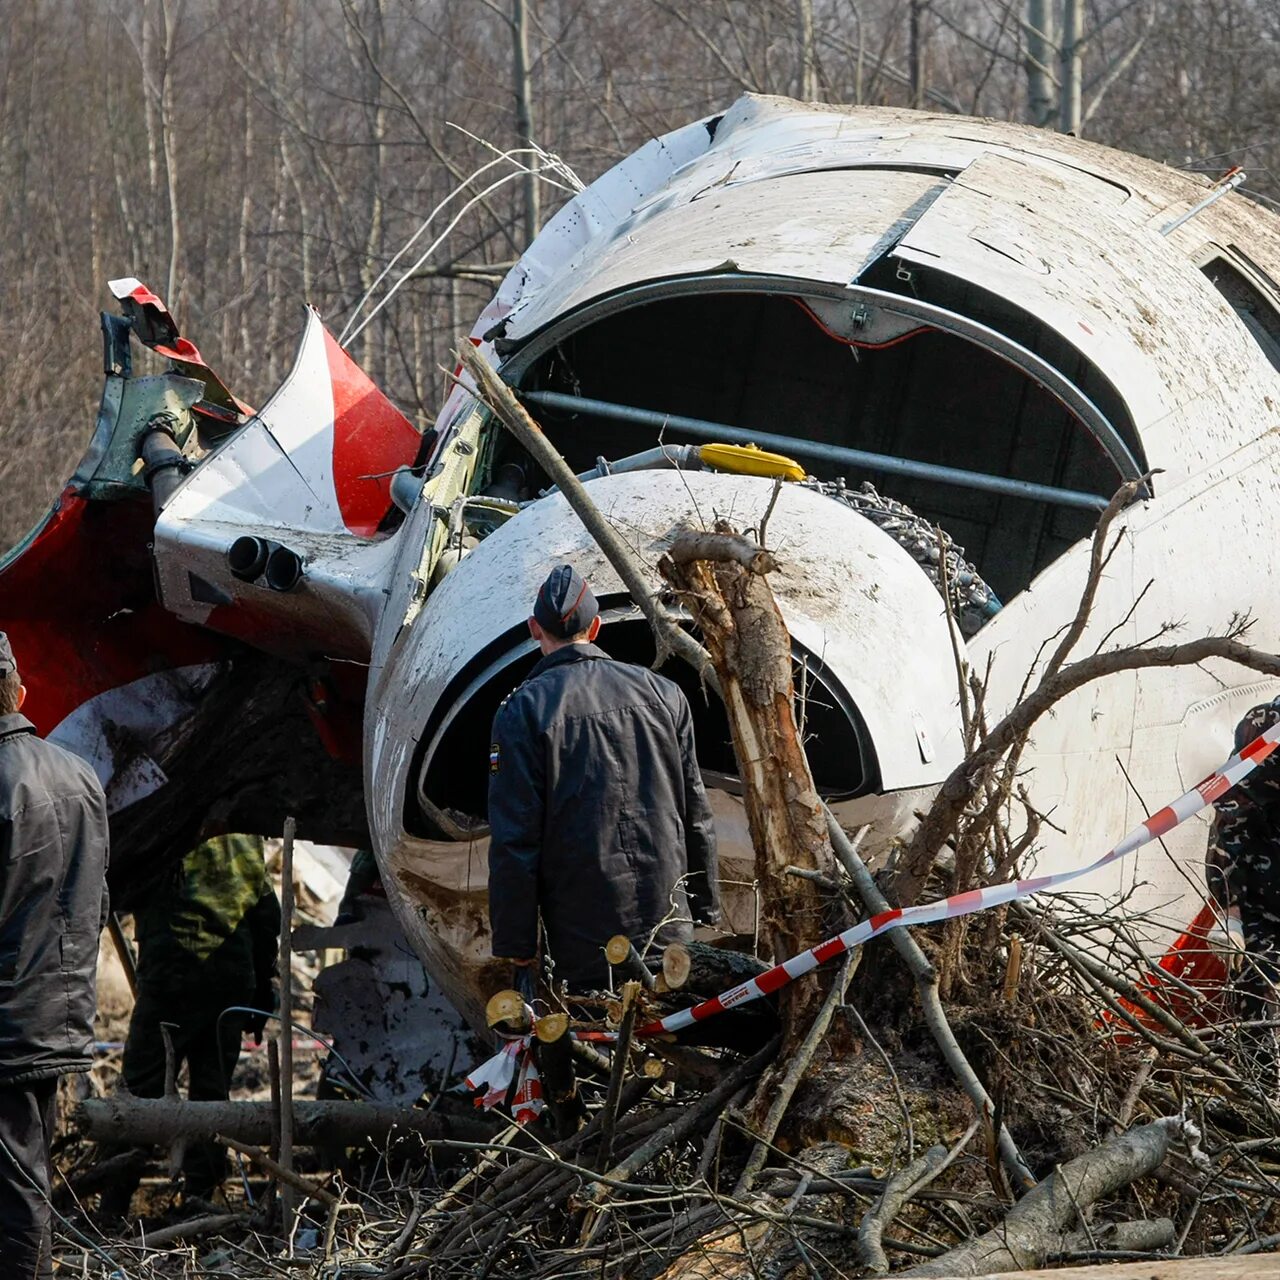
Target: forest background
point(246, 157)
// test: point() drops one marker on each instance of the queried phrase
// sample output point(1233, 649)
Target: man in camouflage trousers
point(1242, 866)
point(208, 940)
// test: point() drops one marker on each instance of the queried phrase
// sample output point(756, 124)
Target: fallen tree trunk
point(743, 629)
point(1034, 1227)
point(158, 1121)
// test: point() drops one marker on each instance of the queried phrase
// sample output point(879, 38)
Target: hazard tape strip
point(1164, 820)
point(496, 1075)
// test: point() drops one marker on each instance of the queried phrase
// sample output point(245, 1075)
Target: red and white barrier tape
point(1158, 824)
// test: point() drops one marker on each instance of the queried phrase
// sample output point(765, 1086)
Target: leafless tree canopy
point(249, 157)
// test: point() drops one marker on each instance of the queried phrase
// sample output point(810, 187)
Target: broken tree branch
point(722, 547)
point(898, 1190)
point(621, 953)
point(190, 1229)
point(277, 1170)
point(1032, 1228)
point(123, 1119)
point(926, 979)
point(745, 634)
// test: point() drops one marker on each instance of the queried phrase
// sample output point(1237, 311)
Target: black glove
point(266, 1002)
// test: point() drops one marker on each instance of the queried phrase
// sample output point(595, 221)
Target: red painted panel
point(371, 438)
point(79, 607)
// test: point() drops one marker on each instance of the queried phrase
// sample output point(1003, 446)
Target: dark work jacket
point(53, 904)
point(597, 812)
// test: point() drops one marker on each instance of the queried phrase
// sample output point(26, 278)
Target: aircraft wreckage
point(919, 320)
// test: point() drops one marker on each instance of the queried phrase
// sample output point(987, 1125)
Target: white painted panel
point(1119, 293)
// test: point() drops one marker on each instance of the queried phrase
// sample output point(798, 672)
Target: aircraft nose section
point(875, 672)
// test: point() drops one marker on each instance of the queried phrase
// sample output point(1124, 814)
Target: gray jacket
point(53, 904)
point(597, 811)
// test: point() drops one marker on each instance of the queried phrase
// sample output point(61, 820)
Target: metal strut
point(795, 446)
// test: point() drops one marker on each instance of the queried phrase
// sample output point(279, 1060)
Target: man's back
point(53, 857)
point(596, 802)
point(217, 921)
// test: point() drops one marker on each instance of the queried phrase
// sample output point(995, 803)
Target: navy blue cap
point(7, 662)
point(565, 605)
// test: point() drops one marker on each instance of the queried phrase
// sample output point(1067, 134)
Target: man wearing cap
point(598, 818)
point(53, 904)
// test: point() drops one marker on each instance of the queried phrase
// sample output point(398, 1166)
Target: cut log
point(621, 952)
point(707, 971)
point(157, 1121)
point(553, 1052)
point(551, 1027)
point(507, 1009)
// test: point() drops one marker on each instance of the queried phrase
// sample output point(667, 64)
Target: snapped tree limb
point(1033, 1227)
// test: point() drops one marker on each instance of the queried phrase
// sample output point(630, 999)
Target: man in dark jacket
point(597, 812)
point(53, 904)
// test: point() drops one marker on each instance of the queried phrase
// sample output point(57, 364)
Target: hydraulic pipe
point(164, 464)
point(665, 457)
point(798, 447)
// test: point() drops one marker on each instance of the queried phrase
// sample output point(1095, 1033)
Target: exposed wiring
point(453, 195)
point(353, 334)
point(551, 164)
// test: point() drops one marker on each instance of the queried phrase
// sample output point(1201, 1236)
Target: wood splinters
point(1013, 969)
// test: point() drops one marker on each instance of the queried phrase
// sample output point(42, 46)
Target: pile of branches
point(1147, 1137)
